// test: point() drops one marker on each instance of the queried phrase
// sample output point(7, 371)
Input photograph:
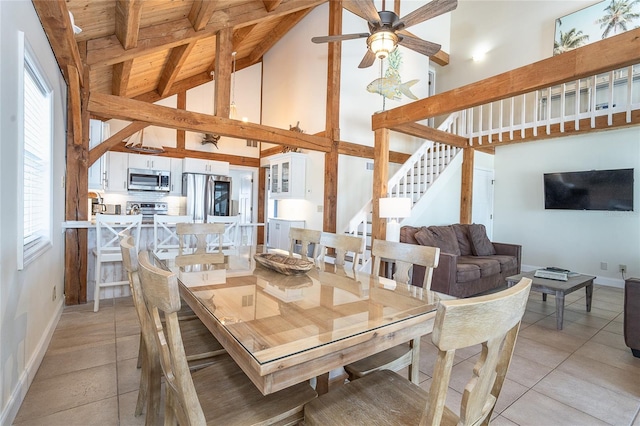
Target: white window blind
point(35, 165)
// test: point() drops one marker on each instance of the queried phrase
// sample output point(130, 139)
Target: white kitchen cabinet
point(279, 232)
point(98, 131)
point(115, 179)
point(149, 162)
point(288, 172)
point(212, 167)
point(176, 176)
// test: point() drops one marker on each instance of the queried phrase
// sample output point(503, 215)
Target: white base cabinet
point(278, 236)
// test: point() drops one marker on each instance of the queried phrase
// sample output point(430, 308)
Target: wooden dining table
point(286, 329)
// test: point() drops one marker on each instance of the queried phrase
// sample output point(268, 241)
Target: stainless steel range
point(147, 208)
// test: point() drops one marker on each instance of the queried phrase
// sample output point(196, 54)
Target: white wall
point(28, 313)
point(576, 240)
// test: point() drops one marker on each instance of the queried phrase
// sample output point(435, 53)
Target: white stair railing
point(521, 116)
point(412, 180)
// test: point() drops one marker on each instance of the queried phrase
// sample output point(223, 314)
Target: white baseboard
point(10, 411)
point(605, 281)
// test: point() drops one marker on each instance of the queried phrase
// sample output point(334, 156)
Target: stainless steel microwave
point(149, 180)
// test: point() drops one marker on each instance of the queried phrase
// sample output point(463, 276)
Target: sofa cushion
point(488, 266)
point(507, 263)
point(442, 237)
point(479, 241)
point(462, 235)
point(407, 234)
point(467, 272)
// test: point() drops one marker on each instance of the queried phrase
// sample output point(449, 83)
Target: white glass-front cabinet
point(288, 172)
point(149, 162)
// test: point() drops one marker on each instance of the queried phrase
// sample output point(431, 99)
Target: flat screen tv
point(589, 190)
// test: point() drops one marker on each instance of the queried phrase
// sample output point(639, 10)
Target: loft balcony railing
point(567, 104)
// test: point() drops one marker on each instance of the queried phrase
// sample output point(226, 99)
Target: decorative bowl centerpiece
point(286, 265)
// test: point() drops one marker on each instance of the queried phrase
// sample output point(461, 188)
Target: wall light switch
point(320, 209)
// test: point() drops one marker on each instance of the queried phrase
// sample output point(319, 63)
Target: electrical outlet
point(54, 295)
point(603, 266)
point(623, 268)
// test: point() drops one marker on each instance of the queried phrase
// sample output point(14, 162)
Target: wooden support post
point(76, 191)
point(380, 181)
point(332, 120)
point(262, 183)
point(222, 74)
point(466, 190)
point(181, 134)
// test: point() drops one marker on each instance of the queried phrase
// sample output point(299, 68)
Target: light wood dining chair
point(107, 250)
point(201, 347)
point(221, 393)
point(165, 239)
point(386, 398)
point(404, 256)
point(200, 243)
point(305, 237)
point(343, 245)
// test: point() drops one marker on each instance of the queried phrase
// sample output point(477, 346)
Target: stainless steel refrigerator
point(207, 195)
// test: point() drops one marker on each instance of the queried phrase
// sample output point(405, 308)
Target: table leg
point(589, 291)
point(559, 309)
point(414, 367)
point(322, 384)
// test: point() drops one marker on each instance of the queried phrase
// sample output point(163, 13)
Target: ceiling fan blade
point(368, 60)
point(364, 9)
point(326, 39)
point(428, 11)
point(412, 42)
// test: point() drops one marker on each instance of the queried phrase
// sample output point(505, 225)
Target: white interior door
point(482, 208)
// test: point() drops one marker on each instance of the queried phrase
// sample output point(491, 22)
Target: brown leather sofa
point(632, 315)
point(469, 263)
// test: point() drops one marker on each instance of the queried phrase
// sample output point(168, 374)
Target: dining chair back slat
point(195, 243)
point(343, 244)
point(230, 239)
point(305, 237)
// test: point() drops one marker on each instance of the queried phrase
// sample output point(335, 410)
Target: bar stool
point(107, 250)
point(165, 239)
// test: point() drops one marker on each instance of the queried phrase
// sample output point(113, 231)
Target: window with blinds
point(35, 164)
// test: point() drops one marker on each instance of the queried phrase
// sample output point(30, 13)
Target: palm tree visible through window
point(619, 14)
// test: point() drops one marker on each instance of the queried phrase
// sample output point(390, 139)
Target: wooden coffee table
point(558, 288)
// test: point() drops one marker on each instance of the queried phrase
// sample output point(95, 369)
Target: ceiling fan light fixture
point(382, 43)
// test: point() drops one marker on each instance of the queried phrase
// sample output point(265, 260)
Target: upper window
point(34, 166)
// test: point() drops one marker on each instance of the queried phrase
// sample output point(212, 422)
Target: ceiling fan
point(387, 30)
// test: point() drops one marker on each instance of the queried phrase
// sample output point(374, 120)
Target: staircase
point(412, 180)
point(605, 100)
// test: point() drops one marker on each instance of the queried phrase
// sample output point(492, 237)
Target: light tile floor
point(582, 375)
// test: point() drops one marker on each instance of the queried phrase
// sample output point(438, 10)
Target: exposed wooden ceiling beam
point(222, 82)
point(363, 151)
point(120, 78)
point(606, 55)
point(201, 13)
point(54, 18)
point(128, 22)
point(108, 50)
point(429, 133)
point(157, 115)
point(97, 151)
point(235, 160)
point(173, 66)
point(271, 5)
